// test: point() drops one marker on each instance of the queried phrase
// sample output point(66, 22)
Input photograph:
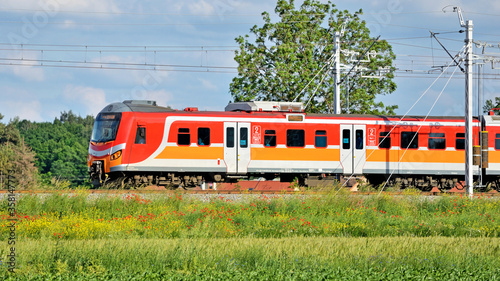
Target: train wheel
point(96, 183)
point(117, 183)
point(484, 188)
point(495, 184)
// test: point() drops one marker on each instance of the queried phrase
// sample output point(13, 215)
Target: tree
point(61, 147)
point(16, 158)
point(489, 104)
point(289, 53)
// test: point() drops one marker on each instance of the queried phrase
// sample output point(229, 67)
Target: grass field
point(299, 258)
point(336, 236)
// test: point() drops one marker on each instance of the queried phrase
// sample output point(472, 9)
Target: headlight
point(116, 155)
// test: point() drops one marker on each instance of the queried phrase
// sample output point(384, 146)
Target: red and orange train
point(148, 144)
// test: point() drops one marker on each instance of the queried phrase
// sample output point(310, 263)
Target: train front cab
point(104, 149)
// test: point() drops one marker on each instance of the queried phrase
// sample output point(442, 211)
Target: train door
point(352, 148)
point(237, 147)
point(141, 140)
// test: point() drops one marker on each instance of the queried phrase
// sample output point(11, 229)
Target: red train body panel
point(152, 144)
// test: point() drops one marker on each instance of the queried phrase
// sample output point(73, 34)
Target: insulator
point(476, 155)
point(484, 140)
point(484, 156)
point(484, 149)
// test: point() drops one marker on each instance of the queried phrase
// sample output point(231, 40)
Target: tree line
point(41, 153)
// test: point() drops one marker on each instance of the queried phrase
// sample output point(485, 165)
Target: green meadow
point(175, 236)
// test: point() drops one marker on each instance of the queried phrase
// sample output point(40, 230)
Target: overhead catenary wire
point(226, 14)
point(400, 71)
point(116, 68)
point(401, 68)
point(446, 50)
point(100, 49)
point(40, 61)
point(65, 23)
point(418, 130)
point(329, 61)
point(315, 90)
point(119, 12)
point(402, 117)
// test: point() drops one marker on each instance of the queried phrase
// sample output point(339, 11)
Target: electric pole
point(469, 180)
point(469, 177)
point(336, 79)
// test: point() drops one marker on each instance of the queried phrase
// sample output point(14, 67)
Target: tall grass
point(299, 258)
point(83, 216)
point(176, 237)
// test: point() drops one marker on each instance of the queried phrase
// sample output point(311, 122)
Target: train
point(141, 143)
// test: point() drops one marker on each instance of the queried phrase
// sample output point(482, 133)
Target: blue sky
point(61, 55)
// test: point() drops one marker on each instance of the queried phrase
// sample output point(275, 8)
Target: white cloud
point(29, 110)
point(149, 79)
point(17, 102)
point(92, 99)
point(90, 5)
point(69, 24)
point(54, 6)
point(29, 71)
point(161, 97)
point(201, 8)
point(24, 66)
point(207, 84)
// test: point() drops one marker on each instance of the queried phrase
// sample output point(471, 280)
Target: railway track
point(242, 192)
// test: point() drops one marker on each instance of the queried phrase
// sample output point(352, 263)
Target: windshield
point(106, 127)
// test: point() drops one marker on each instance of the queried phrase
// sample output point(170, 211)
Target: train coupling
point(96, 173)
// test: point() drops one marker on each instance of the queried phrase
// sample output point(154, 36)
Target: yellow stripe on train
point(295, 154)
point(191, 152)
point(420, 156)
point(312, 154)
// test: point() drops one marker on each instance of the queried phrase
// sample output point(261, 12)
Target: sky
point(62, 55)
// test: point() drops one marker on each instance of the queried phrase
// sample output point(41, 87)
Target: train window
point(460, 141)
point(203, 136)
point(346, 139)
point(384, 140)
point(183, 137)
point(409, 139)
point(106, 127)
point(320, 139)
point(437, 141)
point(243, 137)
point(359, 139)
point(269, 138)
point(295, 138)
point(229, 137)
point(140, 135)
point(497, 141)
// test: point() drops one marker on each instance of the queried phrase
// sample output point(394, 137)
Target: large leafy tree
point(489, 104)
point(288, 54)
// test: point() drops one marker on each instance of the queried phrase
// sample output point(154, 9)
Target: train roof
point(136, 106)
point(148, 106)
point(392, 117)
